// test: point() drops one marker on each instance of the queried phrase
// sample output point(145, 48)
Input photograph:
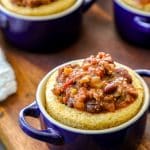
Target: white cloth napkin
point(8, 83)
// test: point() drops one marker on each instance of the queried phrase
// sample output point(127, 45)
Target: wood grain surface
point(98, 34)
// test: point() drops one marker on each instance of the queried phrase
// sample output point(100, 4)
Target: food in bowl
point(94, 93)
point(37, 7)
point(143, 5)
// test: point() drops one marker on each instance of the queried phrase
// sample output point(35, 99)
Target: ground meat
point(95, 86)
point(31, 3)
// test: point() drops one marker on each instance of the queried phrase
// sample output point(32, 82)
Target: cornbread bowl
point(42, 28)
point(52, 8)
point(132, 23)
point(84, 120)
point(61, 136)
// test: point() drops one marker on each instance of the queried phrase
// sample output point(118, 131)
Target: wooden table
point(99, 34)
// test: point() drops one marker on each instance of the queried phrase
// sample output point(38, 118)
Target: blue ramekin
point(132, 24)
point(39, 32)
point(61, 137)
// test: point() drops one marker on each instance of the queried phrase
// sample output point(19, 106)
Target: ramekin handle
point(3, 21)
point(142, 24)
point(143, 72)
point(87, 4)
point(49, 135)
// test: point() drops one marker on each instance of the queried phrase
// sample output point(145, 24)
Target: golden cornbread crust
point(137, 5)
point(84, 120)
point(43, 10)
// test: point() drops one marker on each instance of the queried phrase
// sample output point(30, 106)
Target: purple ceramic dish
point(132, 24)
point(37, 33)
point(61, 137)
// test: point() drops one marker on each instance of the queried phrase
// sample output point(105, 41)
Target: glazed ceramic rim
point(131, 9)
point(143, 109)
point(66, 12)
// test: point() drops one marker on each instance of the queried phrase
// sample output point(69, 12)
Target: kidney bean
point(123, 72)
point(93, 106)
point(110, 88)
point(70, 102)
